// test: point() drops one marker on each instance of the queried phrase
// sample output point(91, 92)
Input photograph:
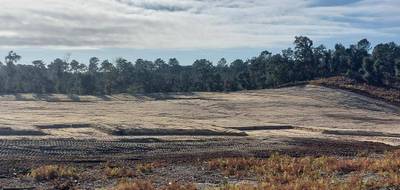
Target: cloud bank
point(190, 24)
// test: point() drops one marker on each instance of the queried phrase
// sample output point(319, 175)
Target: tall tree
point(93, 65)
point(304, 57)
point(57, 71)
point(357, 54)
point(109, 73)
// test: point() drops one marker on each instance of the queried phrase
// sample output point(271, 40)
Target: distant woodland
point(379, 66)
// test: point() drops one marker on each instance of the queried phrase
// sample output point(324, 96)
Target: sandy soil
point(184, 128)
point(308, 109)
point(61, 127)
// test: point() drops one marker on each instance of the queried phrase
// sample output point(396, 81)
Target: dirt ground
point(87, 130)
point(296, 111)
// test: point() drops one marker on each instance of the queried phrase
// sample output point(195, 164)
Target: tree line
point(378, 66)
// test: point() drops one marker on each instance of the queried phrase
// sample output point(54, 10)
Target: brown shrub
point(147, 185)
point(135, 185)
point(50, 172)
point(147, 167)
point(119, 172)
point(284, 172)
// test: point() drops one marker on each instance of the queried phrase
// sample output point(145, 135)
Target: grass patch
point(135, 185)
point(147, 185)
point(284, 172)
point(51, 172)
point(119, 172)
point(145, 168)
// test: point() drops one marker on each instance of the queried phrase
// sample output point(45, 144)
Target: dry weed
point(119, 172)
point(284, 172)
point(50, 172)
point(135, 185)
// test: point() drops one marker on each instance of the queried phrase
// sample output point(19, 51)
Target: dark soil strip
point(263, 127)
point(361, 133)
point(19, 188)
point(63, 126)
point(10, 132)
point(165, 132)
point(321, 147)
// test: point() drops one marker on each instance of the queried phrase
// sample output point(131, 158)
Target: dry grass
point(147, 167)
point(50, 172)
point(284, 172)
point(278, 172)
point(134, 185)
point(147, 185)
point(119, 172)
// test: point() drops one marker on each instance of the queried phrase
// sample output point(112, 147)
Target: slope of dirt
point(183, 129)
point(75, 127)
point(391, 95)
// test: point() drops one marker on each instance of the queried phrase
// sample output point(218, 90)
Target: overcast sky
point(187, 29)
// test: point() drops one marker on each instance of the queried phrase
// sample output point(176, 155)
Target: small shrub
point(147, 167)
point(147, 185)
point(239, 187)
point(50, 172)
point(119, 172)
point(284, 172)
point(135, 185)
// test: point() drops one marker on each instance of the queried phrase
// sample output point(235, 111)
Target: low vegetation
point(391, 95)
point(284, 172)
point(147, 185)
point(119, 172)
point(147, 167)
point(134, 185)
point(50, 172)
point(276, 173)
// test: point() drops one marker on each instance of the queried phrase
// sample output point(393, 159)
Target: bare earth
point(300, 120)
point(89, 127)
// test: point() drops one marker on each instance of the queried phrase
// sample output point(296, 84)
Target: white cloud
point(149, 24)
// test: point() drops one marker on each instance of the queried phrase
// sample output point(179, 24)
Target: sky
point(187, 29)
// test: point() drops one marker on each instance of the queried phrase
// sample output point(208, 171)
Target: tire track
point(65, 150)
point(69, 150)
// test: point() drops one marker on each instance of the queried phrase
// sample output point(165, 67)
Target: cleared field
point(107, 136)
point(299, 111)
point(62, 127)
